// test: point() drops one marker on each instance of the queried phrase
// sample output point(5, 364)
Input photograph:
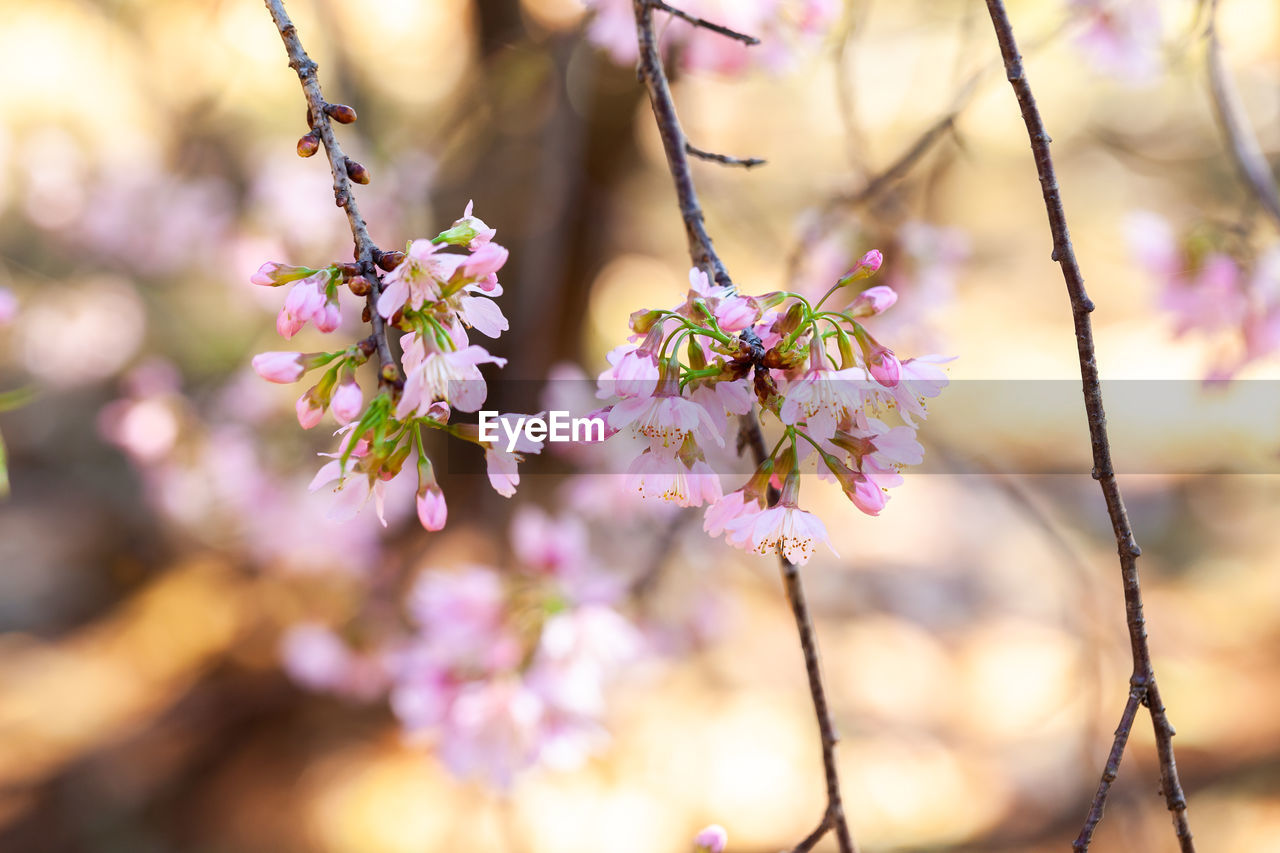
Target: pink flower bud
point(328, 317)
point(432, 509)
point(866, 267)
point(870, 262)
point(282, 367)
point(347, 402)
point(873, 300)
point(711, 840)
point(309, 409)
point(274, 274)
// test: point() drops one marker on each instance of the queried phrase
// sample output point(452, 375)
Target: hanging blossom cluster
point(497, 670)
point(808, 366)
point(786, 29)
point(434, 296)
point(1228, 293)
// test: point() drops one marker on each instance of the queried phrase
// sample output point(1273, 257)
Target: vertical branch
point(366, 253)
point(676, 146)
point(1143, 689)
point(704, 256)
point(1242, 143)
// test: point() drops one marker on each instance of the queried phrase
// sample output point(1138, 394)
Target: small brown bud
point(365, 316)
point(390, 373)
point(397, 317)
point(390, 260)
point(357, 172)
point(309, 144)
point(359, 287)
point(341, 113)
point(311, 122)
point(348, 270)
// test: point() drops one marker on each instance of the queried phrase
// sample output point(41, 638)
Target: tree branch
point(704, 256)
point(723, 159)
point(701, 22)
point(1143, 682)
point(366, 253)
point(673, 142)
point(1241, 141)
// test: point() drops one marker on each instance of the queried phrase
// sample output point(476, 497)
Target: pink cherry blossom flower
point(318, 659)
point(633, 372)
point(823, 396)
point(712, 839)
point(434, 374)
point(483, 315)
point(665, 418)
point(1122, 38)
point(672, 479)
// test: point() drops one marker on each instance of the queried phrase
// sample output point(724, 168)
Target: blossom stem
point(365, 250)
point(1143, 680)
point(704, 256)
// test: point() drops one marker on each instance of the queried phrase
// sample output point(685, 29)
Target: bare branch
point(366, 253)
point(1143, 681)
point(1241, 141)
point(703, 23)
point(723, 159)
point(673, 142)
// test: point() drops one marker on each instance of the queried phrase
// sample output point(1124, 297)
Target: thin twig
point(723, 159)
point(673, 142)
point(704, 24)
point(704, 256)
point(833, 819)
point(366, 253)
point(1143, 681)
point(1241, 141)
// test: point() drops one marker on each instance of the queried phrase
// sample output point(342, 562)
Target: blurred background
point(159, 539)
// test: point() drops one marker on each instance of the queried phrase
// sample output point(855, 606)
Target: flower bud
point(390, 260)
point(347, 401)
point(341, 113)
point(872, 301)
point(281, 367)
point(711, 840)
point(357, 172)
point(359, 287)
point(274, 274)
point(309, 144)
point(432, 509)
point(309, 409)
point(642, 321)
point(866, 267)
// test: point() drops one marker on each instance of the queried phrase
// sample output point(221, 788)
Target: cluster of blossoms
point(1121, 38)
point(497, 670)
point(785, 27)
point(433, 296)
point(816, 371)
point(1209, 286)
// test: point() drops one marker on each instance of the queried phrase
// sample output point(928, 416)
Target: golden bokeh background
point(972, 637)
